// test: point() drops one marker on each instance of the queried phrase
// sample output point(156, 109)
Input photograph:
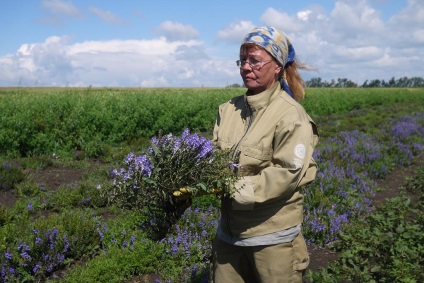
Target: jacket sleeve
point(292, 166)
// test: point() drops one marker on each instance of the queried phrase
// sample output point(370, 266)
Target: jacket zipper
point(237, 152)
point(236, 156)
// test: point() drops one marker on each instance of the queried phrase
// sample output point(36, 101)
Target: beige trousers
point(282, 263)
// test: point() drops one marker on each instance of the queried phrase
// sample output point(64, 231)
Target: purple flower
point(25, 255)
point(23, 247)
point(101, 234)
point(177, 145)
point(66, 247)
point(132, 239)
point(61, 258)
point(205, 150)
point(142, 164)
point(8, 255)
point(36, 267)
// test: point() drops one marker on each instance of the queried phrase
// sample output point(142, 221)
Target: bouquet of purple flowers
point(173, 165)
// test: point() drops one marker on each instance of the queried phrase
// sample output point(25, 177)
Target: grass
point(76, 231)
point(92, 122)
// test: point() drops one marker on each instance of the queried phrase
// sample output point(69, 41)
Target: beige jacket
point(275, 139)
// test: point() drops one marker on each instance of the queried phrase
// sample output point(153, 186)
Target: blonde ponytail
point(294, 80)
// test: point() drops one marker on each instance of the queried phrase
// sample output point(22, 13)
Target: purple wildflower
point(8, 255)
point(36, 267)
point(132, 239)
point(205, 150)
point(100, 234)
point(66, 247)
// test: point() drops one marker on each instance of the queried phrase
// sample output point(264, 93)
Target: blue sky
point(186, 43)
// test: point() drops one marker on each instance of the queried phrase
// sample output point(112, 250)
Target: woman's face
point(263, 74)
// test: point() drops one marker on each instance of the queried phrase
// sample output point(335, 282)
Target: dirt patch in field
point(56, 176)
point(50, 178)
point(389, 188)
point(7, 198)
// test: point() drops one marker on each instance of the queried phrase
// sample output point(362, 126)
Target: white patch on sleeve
point(296, 163)
point(300, 151)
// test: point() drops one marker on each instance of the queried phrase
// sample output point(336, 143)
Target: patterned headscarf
point(276, 43)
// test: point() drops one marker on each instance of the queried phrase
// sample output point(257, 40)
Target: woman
point(259, 236)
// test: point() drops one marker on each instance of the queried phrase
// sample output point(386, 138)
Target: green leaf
point(400, 229)
point(202, 186)
point(376, 268)
point(156, 150)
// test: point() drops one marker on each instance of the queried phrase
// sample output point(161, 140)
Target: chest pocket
point(253, 160)
point(257, 153)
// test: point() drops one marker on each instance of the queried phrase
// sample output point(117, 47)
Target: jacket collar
point(263, 99)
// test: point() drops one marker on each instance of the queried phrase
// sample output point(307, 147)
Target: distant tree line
point(343, 82)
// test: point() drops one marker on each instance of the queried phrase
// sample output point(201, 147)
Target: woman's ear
point(279, 71)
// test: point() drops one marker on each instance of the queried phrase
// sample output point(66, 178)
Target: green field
point(35, 121)
point(73, 233)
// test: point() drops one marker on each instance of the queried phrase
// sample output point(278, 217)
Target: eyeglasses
point(253, 63)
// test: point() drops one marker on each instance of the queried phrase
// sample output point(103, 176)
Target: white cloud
point(235, 32)
point(59, 7)
point(190, 53)
point(418, 36)
point(106, 16)
point(157, 62)
point(58, 10)
point(351, 40)
point(413, 14)
point(358, 17)
point(282, 20)
point(304, 15)
point(356, 54)
point(406, 28)
point(154, 82)
point(174, 31)
point(34, 63)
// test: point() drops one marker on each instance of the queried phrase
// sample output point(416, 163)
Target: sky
point(195, 43)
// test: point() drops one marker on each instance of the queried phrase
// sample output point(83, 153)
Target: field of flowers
point(77, 234)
